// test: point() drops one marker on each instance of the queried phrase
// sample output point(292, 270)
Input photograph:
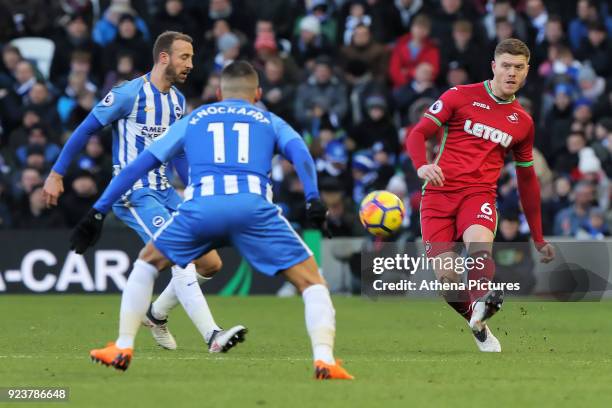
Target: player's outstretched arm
point(54, 184)
point(415, 146)
point(316, 212)
point(292, 146)
point(529, 192)
point(88, 230)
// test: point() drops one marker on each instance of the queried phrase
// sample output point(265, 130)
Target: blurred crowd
point(352, 76)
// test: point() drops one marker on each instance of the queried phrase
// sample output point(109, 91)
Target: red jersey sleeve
point(523, 152)
point(442, 109)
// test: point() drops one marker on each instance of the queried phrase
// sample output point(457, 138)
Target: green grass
point(416, 353)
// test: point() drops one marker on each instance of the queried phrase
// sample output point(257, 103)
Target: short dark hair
point(512, 46)
point(239, 69)
point(239, 77)
point(164, 42)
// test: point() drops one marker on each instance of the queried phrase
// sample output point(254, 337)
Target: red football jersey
point(477, 130)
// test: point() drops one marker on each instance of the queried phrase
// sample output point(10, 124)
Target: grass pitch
point(403, 353)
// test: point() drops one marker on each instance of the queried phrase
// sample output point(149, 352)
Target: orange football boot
point(111, 355)
point(324, 371)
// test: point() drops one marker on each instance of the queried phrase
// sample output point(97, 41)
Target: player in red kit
point(478, 125)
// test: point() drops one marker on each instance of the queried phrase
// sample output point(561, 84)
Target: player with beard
point(478, 124)
point(139, 112)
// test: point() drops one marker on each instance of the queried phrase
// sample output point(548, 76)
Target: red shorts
point(445, 215)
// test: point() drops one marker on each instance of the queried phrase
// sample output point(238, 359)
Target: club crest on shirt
point(513, 118)
point(158, 221)
point(178, 111)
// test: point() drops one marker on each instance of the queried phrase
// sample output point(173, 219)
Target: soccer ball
point(381, 213)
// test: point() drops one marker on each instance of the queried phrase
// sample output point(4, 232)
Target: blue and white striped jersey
point(229, 146)
point(139, 114)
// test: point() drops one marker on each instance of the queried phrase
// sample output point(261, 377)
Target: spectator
point(36, 215)
point(447, 14)
point(363, 48)
point(11, 56)
point(376, 127)
point(340, 217)
point(38, 137)
point(557, 122)
point(319, 9)
point(95, 161)
point(407, 10)
point(583, 113)
point(503, 31)
point(25, 182)
point(106, 29)
point(559, 200)
point(362, 84)
point(502, 9)
point(364, 176)
point(591, 85)
point(538, 17)
point(587, 13)
point(124, 71)
point(209, 92)
point(74, 37)
point(266, 48)
point(77, 84)
point(464, 50)
point(128, 41)
point(85, 103)
point(229, 50)
point(569, 220)
point(357, 17)
point(567, 162)
point(333, 165)
point(174, 17)
point(25, 78)
point(553, 36)
point(235, 16)
point(596, 48)
point(309, 43)
point(81, 197)
point(19, 136)
point(422, 85)
point(40, 100)
point(277, 93)
point(457, 75)
point(278, 14)
point(411, 50)
point(595, 226)
point(325, 87)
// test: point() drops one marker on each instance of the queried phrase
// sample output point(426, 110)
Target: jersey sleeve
point(171, 142)
point(523, 151)
point(442, 109)
point(284, 133)
point(117, 103)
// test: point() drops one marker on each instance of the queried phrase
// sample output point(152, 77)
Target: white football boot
point(486, 341)
point(159, 330)
point(222, 341)
point(482, 310)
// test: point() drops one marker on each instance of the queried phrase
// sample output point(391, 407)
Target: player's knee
point(209, 267)
point(304, 281)
point(151, 255)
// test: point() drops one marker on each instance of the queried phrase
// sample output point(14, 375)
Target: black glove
point(87, 232)
point(316, 213)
